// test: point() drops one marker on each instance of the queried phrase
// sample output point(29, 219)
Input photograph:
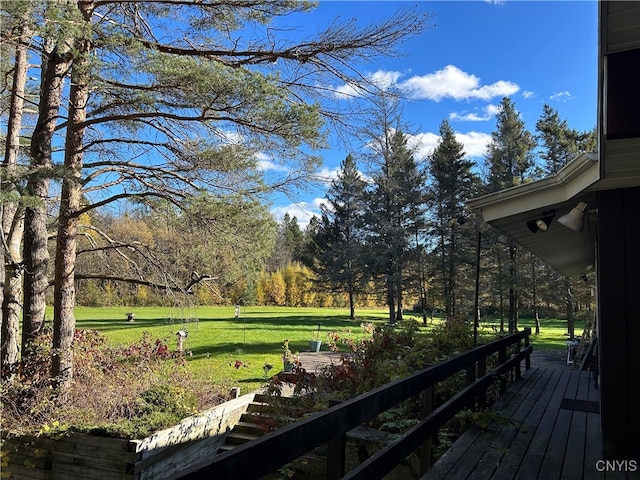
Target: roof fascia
point(575, 177)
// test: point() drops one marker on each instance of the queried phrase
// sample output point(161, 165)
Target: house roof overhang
point(569, 252)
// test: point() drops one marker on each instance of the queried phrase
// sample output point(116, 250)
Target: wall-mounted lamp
point(574, 220)
point(543, 223)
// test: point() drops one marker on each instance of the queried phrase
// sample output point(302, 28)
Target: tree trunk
point(36, 252)
point(12, 295)
point(570, 308)
point(352, 305)
point(12, 217)
point(513, 288)
point(500, 292)
point(11, 309)
point(391, 300)
point(452, 276)
point(534, 279)
point(445, 279)
point(65, 262)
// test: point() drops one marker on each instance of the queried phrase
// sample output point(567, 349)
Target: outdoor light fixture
point(543, 223)
point(574, 220)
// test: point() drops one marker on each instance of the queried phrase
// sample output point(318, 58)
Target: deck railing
point(266, 454)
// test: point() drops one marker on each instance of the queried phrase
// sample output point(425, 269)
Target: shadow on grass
point(252, 380)
point(239, 349)
point(253, 322)
point(231, 337)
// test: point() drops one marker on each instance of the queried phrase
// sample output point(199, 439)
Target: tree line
point(402, 228)
point(120, 111)
point(132, 169)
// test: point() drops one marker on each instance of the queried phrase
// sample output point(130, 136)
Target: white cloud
point(485, 114)
point(384, 79)
point(265, 163)
point(347, 91)
point(468, 117)
point(562, 96)
point(327, 175)
point(381, 78)
point(423, 144)
point(475, 143)
point(229, 137)
point(451, 82)
point(527, 94)
point(303, 211)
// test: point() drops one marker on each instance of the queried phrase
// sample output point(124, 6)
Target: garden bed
point(85, 457)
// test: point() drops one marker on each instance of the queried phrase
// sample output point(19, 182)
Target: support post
point(502, 358)
point(336, 453)
point(425, 451)
point(482, 371)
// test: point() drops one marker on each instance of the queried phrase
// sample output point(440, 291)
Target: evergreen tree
point(289, 245)
point(338, 239)
point(510, 158)
point(395, 211)
point(560, 144)
point(292, 236)
point(452, 185)
point(510, 152)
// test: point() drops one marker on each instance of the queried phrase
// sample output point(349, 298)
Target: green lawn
point(218, 340)
point(553, 332)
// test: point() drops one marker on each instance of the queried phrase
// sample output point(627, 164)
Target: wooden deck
point(553, 433)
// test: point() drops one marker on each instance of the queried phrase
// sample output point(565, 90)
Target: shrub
point(387, 354)
point(122, 391)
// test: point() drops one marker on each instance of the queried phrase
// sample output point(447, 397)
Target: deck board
point(510, 445)
point(448, 467)
point(548, 439)
point(514, 457)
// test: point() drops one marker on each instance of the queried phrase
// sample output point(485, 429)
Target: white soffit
point(576, 177)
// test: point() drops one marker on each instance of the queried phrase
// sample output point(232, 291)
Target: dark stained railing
point(266, 454)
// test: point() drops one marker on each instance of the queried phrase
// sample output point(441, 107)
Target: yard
point(226, 349)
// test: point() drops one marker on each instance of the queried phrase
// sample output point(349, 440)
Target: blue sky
point(473, 55)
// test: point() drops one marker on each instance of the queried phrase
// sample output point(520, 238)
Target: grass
point(553, 332)
point(225, 349)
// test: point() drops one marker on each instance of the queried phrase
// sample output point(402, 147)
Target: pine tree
point(159, 116)
point(510, 152)
point(560, 144)
point(452, 185)
point(395, 211)
point(510, 158)
point(338, 239)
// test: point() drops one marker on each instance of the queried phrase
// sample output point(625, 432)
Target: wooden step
point(226, 447)
point(254, 423)
point(266, 417)
point(249, 427)
point(239, 438)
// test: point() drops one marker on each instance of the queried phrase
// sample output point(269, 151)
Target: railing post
point(471, 373)
point(482, 371)
point(527, 359)
point(336, 453)
point(516, 369)
point(425, 450)
point(502, 358)
point(471, 376)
